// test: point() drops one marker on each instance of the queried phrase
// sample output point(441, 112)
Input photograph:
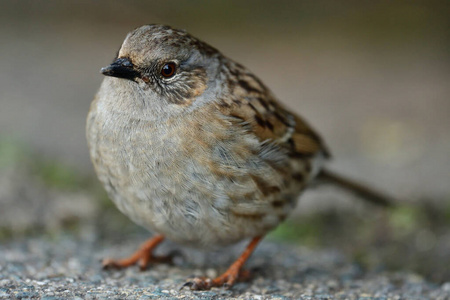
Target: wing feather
point(256, 106)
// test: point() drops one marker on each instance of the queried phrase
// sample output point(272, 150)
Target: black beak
point(121, 68)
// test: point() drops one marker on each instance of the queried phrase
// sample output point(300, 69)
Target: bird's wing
point(269, 121)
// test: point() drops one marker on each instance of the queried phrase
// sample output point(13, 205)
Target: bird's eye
point(168, 70)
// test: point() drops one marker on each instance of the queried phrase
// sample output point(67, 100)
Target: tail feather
point(356, 188)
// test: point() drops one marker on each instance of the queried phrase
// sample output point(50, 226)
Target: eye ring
point(168, 70)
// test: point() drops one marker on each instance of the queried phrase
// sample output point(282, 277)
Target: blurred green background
point(373, 77)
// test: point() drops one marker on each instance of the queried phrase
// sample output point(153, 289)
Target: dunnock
point(193, 146)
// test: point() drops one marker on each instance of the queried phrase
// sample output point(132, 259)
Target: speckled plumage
point(207, 157)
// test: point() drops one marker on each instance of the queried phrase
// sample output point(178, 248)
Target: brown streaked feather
point(255, 105)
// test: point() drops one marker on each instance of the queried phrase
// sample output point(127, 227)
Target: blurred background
point(373, 77)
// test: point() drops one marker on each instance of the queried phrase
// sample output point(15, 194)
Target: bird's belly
point(188, 205)
point(203, 200)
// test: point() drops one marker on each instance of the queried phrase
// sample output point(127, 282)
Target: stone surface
point(69, 267)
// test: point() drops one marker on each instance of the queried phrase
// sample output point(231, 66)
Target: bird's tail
point(375, 197)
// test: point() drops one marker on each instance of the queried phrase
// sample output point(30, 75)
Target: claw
point(187, 284)
point(227, 279)
point(108, 264)
point(143, 255)
point(226, 286)
point(199, 283)
point(142, 267)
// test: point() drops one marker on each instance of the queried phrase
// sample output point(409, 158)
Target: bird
point(192, 146)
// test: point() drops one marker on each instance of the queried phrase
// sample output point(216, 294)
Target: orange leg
point(230, 276)
point(143, 255)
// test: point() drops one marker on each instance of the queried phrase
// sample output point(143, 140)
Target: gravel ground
point(69, 267)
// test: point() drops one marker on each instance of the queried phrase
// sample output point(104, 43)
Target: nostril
point(124, 62)
point(127, 63)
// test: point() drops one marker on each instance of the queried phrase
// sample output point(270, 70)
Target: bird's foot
point(226, 280)
point(144, 262)
point(229, 278)
point(143, 256)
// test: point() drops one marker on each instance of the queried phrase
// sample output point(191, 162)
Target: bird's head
point(164, 66)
